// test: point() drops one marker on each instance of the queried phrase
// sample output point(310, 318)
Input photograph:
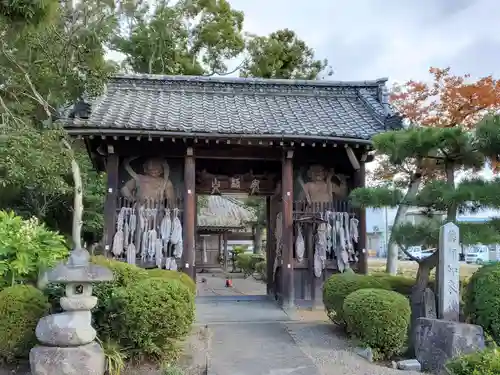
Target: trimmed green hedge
point(152, 315)
point(379, 319)
point(399, 284)
point(124, 275)
point(340, 285)
point(21, 307)
point(482, 299)
point(173, 275)
point(486, 362)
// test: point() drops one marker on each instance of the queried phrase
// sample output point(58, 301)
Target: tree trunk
point(76, 231)
point(257, 240)
point(451, 214)
point(392, 251)
point(425, 267)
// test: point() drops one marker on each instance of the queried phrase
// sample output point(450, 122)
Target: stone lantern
point(68, 345)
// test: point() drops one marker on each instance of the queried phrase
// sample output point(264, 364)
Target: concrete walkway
point(253, 336)
point(213, 285)
point(250, 337)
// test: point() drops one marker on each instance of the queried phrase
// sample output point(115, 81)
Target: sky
point(397, 39)
point(369, 39)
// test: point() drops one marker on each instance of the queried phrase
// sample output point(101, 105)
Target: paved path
point(252, 336)
point(214, 285)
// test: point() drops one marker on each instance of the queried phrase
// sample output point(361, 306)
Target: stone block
point(89, 274)
point(70, 328)
point(409, 365)
point(437, 341)
point(430, 304)
point(78, 303)
point(82, 360)
point(366, 353)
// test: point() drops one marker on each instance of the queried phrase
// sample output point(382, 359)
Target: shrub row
point(373, 308)
point(146, 312)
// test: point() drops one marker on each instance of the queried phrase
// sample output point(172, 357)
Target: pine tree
point(448, 151)
point(443, 100)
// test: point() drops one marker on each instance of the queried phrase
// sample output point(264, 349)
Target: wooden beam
point(359, 181)
point(287, 232)
point(111, 201)
point(352, 158)
point(189, 223)
point(238, 153)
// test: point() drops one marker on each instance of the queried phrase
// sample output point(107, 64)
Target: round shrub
point(124, 275)
point(173, 275)
point(21, 307)
point(398, 283)
point(482, 299)
point(340, 285)
point(379, 319)
point(152, 315)
point(486, 362)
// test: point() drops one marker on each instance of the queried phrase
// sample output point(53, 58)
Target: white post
point(448, 269)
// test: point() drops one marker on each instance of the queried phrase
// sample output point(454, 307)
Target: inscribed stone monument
point(430, 304)
point(449, 244)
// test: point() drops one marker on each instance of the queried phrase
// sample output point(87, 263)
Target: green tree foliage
point(48, 60)
point(27, 248)
point(188, 37)
point(281, 54)
point(258, 206)
point(53, 53)
point(450, 150)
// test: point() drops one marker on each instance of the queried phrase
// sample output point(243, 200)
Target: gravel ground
point(332, 354)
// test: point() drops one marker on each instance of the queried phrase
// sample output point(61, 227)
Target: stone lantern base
point(68, 345)
point(79, 360)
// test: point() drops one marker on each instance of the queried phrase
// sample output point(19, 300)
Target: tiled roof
point(215, 105)
point(224, 212)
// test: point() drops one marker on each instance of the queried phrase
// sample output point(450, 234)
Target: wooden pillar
point(287, 233)
point(189, 225)
point(359, 181)
point(111, 201)
point(309, 244)
point(269, 244)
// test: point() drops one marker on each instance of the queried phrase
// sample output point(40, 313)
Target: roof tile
point(241, 106)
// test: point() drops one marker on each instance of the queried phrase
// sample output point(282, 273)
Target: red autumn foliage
point(448, 101)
